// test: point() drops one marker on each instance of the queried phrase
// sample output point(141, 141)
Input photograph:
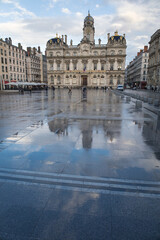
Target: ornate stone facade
point(86, 64)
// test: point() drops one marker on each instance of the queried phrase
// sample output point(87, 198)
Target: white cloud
point(139, 19)
point(7, 1)
point(66, 10)
point(23, 11)
point(97, 5)
point(141, 37)
point(79, 14)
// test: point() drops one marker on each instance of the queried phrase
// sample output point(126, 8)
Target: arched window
point(67, 54)
point(102, 76)
point(120, 52)
point(94, 76)
point(74, 76)
point(67, 76)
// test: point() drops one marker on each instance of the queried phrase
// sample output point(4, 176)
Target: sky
point(34, 22)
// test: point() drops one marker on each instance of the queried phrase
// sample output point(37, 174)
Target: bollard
point(150, 100)
point(128, 99)
point(141, 98)
point(138, 104)
point(145, 99)
point(156, 103)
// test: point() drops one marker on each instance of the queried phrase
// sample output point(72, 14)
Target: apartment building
point(4, 74)
point(154, 60)
point(12, 62)
point(33, 63)
point(136, 71)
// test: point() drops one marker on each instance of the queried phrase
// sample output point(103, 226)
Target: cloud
point(141, 37)
point(97, 5)
point(79, 14)
point(139, 19)
point(23, 11)
point(52, 4)
point(66, 10)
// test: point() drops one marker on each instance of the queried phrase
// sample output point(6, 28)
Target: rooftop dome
point(116, 36)
point(55, 40)
point(89, 18)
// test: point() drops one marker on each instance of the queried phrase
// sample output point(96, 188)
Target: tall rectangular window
point(67, 66)
point(111, 66)
point(58, 66)
point(102, 66)
point(75, 66)
point(95, 66)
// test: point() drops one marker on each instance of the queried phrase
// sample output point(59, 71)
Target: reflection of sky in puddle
point(111, 147)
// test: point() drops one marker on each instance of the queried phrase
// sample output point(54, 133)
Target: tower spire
point(88, 12)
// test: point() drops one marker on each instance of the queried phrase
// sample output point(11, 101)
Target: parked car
point(120, 87)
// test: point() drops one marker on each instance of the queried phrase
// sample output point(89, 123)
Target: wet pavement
point(78, 166)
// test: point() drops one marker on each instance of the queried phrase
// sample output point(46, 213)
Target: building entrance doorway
point(84, 80)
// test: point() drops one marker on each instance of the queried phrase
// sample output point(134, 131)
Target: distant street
point(78, 166)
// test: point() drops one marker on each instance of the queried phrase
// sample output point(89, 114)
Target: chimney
point(10, 41)
point(141, 50)
point(34, 51)
point(6, 40)
point(29, 51)
point(65, 39)
point(39, 49)
point(19, 45)
point(108, 35)
point(62, 39)
point(99, 41)
point(71, 42)
point(138, 54)
point(145, 48)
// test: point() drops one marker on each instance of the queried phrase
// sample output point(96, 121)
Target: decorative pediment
point(112, 60)
point(119, 60)
point(103, 61)
point(67, 61)
point(95, 61)
point(74, 61)
point(84, 61)
point(58, 61)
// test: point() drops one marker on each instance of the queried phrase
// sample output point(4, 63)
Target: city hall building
point(86, 64)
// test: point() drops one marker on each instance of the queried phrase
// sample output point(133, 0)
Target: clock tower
point(88, 29)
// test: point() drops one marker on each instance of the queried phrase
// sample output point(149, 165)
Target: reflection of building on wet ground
point(59, 126)
point(151, 133)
